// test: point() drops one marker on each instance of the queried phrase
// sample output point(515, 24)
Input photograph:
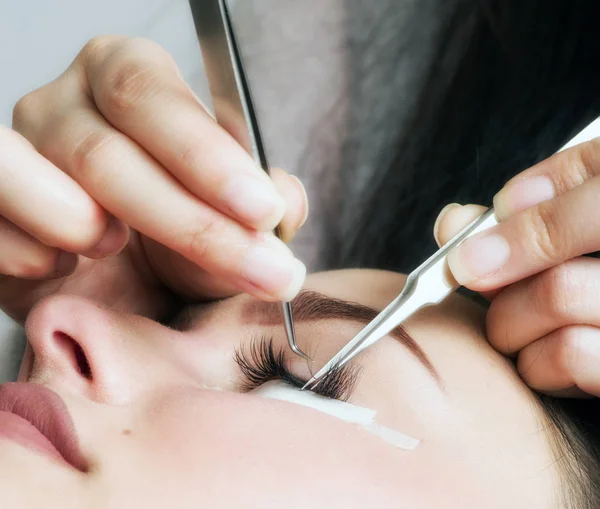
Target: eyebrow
point(311, 306)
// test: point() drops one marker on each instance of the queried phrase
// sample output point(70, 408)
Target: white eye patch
point(364, 417)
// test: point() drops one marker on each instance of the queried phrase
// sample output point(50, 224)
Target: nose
point(82, 347)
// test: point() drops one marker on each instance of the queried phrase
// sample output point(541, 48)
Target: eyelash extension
point(260, 363)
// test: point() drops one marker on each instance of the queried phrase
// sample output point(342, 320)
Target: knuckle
point(97, 46)
point(89, 154)
point(126, 86)
point(152, 53)
point(586, 163)
point(190, 155)
point(578, 164)
point(555, 291)
point(149, 48)
point(201, 241)
point(547, 244)
point(24, 110)
point(499, 331)
point(564, 355)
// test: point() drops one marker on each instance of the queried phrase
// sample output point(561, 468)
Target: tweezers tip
point(312, 383)
point(290, 332)
point(295, 348)
point(300, 353)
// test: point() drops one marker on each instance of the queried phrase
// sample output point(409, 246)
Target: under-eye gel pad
point(364, 417)
point(211, 387)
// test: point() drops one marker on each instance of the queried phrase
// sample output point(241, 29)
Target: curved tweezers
point(232, 99)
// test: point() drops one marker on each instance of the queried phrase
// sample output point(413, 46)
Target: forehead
point(374, 288)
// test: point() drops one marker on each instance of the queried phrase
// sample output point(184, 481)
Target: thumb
point(296, 201)
point(451, 220)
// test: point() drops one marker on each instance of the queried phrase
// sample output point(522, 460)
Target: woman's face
point(162, 420)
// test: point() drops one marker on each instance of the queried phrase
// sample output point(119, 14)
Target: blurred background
point(40, 38)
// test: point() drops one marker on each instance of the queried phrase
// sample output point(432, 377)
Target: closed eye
point(260, 362)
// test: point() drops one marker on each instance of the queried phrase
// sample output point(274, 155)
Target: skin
point(558, 352)
point(124, 100)
point(156, 436)
point(164, 437)
point(92, 226)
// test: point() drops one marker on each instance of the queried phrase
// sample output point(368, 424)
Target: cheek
point(404, 394)
point(232, 448)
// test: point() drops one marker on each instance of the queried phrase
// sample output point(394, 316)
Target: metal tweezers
point(428, 284)
point(232, 100)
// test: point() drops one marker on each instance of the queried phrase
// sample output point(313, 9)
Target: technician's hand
point(545, 296)
point(118, 154)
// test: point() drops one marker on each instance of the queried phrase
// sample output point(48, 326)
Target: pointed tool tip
point(297, 350)
point(304, 356)
point(312, 383)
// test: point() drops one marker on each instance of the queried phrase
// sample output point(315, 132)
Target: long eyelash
point(260, 363)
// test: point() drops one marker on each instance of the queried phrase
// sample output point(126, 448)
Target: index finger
point(136, 86)
point(564, 224)
point(550, 178)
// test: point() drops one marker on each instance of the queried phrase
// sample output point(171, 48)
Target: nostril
point(82, 362)
point(75, 352)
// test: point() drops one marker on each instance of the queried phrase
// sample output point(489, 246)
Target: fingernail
point(256, 203)
point(522, 194)
point(438, 221)
point(302, 190)
point(272, 241)
point(65, 263)
point(274, 271)
point(478, 257)
point(112, 240)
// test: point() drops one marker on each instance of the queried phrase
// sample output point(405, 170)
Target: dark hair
point(504, 85)
point(576, 441)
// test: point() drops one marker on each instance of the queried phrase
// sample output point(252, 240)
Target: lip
point(37, 418)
